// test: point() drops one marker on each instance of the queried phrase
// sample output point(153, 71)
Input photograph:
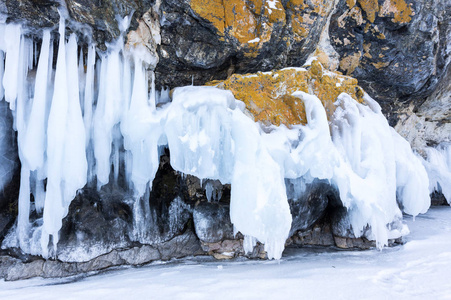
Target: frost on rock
point(73, 120)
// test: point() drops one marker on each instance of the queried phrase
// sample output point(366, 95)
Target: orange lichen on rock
point(240, 21)
point(325, 59)
point(304, 14)
point(353, 13)
point(350, 3)
point(268, 96)
point(327, 86)
point(398, 9)
point(370, 7)
point(350, 63)
point(250, 22)
point(380, 64)
point(212, 10)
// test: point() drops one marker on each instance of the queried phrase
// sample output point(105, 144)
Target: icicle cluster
point(72, 118)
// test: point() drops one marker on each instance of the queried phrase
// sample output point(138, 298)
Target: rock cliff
point(265, 52)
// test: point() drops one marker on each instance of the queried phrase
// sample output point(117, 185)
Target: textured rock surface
point(398, 50)
point(212, 222)
point(9, 170)
point(228, 249)
point(206, 40)
point(268, 95)
point(310, 205)
point(322, 235)
point(96, 223)
point(183, 245)
point(319, 235)
point(429, 123)
point(99, 18)
point(99, 222)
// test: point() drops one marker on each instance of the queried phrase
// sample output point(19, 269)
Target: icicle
point(2, 39)
point(153, 97)
point(100, 139)
point(208, 190)
point(34, 142)
point(410, 178)
point(39, 196)
point(30, 55)
point(141, 133)
point(82, 79)
point(87, 108)
point(74, 161)
point(108, 113)
point(53, 209)
point(249, 243)
point(11, 80)
point(23, 218)
point(21, 120)
point(117, 138)
point(163, 96)
point(142, 217)
point(35, 54)
point(127, 81)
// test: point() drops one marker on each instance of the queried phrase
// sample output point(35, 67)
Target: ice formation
point(438, 166)
point(71, 121)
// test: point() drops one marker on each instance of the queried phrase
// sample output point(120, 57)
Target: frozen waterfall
point(71, 118)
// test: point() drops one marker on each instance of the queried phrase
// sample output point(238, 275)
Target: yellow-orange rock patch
point(268, 95)
point(251, 22)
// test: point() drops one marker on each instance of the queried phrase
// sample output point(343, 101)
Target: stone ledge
point(12, 268)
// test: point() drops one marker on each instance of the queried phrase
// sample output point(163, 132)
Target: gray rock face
point(96, 223)
point(201, 41)
point(180, 246)
point(24, 271)
point(9, 161)
point(100, 221)
point(6, 221)
point(204, 41)
point(309, 203)
point(319, 235)
point(9, 170)
point(99, 18)
point(341, 224)
point(428, 123)
point(34, 14)
point(212, 222)
point(398, 50)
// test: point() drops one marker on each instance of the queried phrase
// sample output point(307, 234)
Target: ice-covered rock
point(102, 127)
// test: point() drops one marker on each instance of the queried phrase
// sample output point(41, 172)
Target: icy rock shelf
point(72, 117)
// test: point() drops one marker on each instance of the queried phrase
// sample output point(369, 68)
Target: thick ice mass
point(73, 120)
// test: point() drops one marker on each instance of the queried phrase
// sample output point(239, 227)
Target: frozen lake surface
point(419, 269)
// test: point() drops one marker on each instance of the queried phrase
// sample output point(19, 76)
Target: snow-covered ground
point(419, 269)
